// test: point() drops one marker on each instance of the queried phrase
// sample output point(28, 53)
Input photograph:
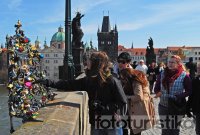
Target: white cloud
point(14, 4)
point(162, 13)
point(90, 29)
point(58, 14)
point(86, 6)
point(50, 19)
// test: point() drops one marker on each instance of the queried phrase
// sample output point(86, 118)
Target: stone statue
point(150, 42)
point(76, 30)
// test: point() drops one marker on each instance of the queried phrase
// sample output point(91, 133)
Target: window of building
point(46, 55)
point(59, 46)
point(199, 53)
point(195, 53)
point(109, 42)
point(141, 53)
point(55, 61)
point(47, 61)
point(199, 58)
point(195, 58)
point(136, 53)
point(55, 55)
point(47, 68)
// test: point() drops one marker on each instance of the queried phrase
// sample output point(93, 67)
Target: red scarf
point(170, 76)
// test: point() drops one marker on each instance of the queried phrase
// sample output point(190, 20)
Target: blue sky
point(168, 22)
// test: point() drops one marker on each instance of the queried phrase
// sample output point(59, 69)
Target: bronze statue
point(76, 30)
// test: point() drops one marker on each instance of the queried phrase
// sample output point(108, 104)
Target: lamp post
point(7, 64)
point(69, 70)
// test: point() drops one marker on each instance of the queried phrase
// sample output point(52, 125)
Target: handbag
point(177, 106)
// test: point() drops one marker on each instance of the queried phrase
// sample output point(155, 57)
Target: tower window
point(109, 42)
point(102, 42)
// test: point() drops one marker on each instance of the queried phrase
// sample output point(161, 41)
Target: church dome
point(58, 36)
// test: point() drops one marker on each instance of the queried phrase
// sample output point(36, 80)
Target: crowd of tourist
point(124, 92)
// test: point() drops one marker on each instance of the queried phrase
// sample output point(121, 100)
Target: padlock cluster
point(25, 95)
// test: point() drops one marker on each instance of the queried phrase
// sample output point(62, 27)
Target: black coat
point(109, 96)
point(195, 96)
point(193, 68)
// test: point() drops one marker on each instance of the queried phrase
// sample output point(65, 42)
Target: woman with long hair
point(172, 86)
point(140, 105)
point(106, 96)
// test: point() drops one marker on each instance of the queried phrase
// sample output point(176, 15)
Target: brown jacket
point(141, 108)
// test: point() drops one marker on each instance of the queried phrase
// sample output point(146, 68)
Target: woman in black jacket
point(194, 101)
point(106, 96)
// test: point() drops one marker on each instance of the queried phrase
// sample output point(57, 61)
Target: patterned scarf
point(170, 76)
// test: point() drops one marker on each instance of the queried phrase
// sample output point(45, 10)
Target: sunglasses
point(122, 61)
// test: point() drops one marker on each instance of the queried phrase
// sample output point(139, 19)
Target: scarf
point(170, 76)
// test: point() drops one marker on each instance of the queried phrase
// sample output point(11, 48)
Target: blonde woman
point(173, 84)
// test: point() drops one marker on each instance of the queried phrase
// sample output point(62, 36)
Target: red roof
point(120, 47)
point(137, 51)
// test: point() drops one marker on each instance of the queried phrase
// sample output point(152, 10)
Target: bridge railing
point(66, 115)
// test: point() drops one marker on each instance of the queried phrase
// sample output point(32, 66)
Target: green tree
point(150, 55)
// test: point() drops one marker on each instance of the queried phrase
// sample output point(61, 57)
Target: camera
point(97, 105)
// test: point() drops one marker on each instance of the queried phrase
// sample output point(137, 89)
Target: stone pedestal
point(77, 53)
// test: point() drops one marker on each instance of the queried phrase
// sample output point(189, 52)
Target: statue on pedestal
point(77, 31)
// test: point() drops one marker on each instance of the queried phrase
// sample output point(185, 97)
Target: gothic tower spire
point(106, 24)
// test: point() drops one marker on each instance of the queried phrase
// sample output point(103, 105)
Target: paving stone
point(189, 122)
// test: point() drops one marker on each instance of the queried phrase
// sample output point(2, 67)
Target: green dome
point(59, 36)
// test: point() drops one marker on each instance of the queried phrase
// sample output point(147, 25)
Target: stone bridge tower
point(108, 39)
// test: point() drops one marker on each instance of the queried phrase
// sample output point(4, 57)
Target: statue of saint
point(150, 42)
point(76, 30)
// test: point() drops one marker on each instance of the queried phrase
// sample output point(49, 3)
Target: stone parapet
point(66, 115)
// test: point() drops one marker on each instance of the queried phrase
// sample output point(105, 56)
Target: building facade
point(3, 67)
point(53, 55)
point(108, 39)
point(163, 54)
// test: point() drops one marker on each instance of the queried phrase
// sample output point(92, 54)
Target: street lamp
point(69, 70)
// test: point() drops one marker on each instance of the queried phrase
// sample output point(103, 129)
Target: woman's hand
point(158, 94)
point(43, 81)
